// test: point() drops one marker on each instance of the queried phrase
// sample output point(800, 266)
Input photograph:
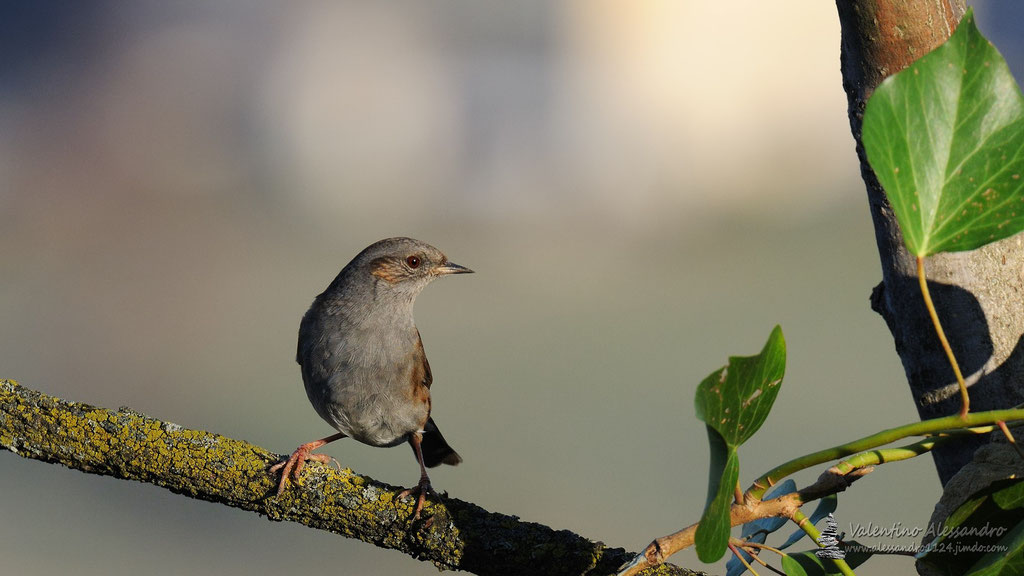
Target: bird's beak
point(452, 268)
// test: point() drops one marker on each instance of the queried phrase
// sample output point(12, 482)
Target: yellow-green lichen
point(452, 534)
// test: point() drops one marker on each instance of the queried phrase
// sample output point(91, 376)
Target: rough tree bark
point(978, 294)
point(453, 534)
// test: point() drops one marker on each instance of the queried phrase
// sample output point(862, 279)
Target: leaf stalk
point(965, 404)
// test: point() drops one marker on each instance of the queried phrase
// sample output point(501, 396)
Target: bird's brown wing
point(435, 448)
point(422, 373)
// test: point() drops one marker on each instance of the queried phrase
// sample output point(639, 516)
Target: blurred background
point(642, 188)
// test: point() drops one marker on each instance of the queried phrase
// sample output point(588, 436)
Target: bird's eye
point(413, 261)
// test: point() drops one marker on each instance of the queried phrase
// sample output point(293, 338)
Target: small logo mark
point(829, 541)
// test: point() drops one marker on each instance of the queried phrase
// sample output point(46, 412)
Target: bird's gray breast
point(358, 377)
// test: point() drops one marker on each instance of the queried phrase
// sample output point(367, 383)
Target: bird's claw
point(293, 465)
point(423, 488)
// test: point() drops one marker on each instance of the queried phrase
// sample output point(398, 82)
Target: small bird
point(362, 358)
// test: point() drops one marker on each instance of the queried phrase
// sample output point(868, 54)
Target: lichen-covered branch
point(453, 534)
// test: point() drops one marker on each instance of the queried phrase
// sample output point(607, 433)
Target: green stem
point(749, 546)
point(763, 547)
point(1010, 438)
point(886, 455)
point(965, 403)
point(926, 427)
point(739, 556)
point(811, 530)
point(968, 431)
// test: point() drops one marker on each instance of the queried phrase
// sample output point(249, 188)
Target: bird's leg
point(423, 487)
point(294, 463)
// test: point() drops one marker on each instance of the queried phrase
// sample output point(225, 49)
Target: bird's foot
point(293, 465)
point(423, 488)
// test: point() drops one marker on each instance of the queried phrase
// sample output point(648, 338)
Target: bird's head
point(403, 266)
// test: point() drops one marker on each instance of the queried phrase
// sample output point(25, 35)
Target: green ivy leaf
point(712, 537)
point(1006, 557)
point(984, 535)
point(734, 402)
point(946, 140)
point(791, 567)
point(807, 563)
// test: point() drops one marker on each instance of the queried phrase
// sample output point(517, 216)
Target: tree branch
point(454, 535)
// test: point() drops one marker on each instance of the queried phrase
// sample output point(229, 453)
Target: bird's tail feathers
point(436, 450)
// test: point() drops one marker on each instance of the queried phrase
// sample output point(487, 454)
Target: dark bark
point(977, 294)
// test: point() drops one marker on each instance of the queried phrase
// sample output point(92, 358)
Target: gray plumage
point(362, 359)
point(359, 346)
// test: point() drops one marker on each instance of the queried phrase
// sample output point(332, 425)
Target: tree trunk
point(977, 294)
